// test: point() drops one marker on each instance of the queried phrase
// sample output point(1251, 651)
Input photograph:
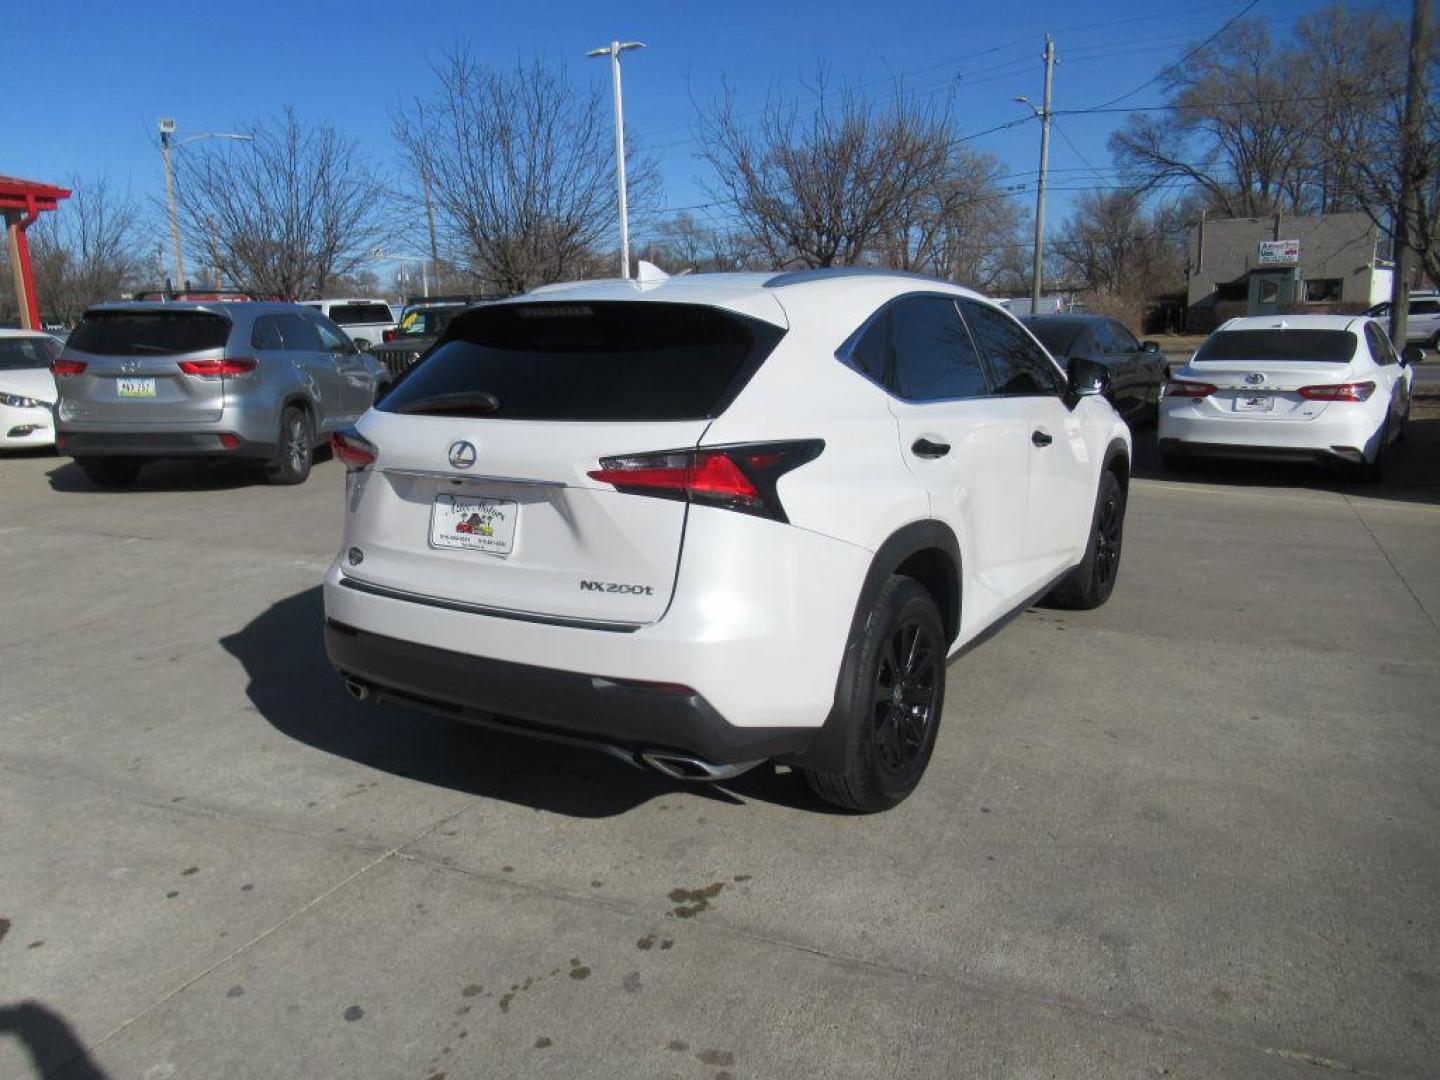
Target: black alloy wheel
point(904, 696)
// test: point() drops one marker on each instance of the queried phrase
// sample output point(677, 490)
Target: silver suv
point(264, 382)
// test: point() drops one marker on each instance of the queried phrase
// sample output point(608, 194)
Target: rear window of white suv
point(356, 314)
point(1306, 346)
point(597, 361)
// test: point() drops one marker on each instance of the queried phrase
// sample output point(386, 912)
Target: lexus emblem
point(1255, 379)
point(462, 454)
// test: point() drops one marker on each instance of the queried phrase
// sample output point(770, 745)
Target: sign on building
point(1279, 252)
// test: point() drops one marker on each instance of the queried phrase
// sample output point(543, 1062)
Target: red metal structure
point(21, 202)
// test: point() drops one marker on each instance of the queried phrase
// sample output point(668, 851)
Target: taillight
point(1350, 391)
point(739, 478)
point(229, 367)
point(1184, 388)
point(66, 369)
point(387, 336)
point(357, 452)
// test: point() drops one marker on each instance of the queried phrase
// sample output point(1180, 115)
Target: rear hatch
point(1257, 374)
point(480, 494)
point(133, 372)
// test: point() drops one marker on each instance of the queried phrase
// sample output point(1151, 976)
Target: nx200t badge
point(462, 454)
point(617, 587)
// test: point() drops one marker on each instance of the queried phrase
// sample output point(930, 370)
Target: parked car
point(27, 389)
point(730, 518)
point(1422, 325)
point(419, 328)
point(1327, 388)
point(1137, 369)
point(364, 321)
point(252, 381)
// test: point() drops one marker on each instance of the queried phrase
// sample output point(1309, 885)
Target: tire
point(291, 463)
point(1089, 585)
point(891, 702)
point(110, 472)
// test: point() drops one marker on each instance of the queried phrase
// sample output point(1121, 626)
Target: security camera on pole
point(167, 141)
point(613, 50)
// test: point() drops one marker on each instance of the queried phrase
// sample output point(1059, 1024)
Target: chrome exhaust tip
point(356, 689)
point(685, 767)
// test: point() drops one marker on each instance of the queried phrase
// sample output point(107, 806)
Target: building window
point(1323, 290)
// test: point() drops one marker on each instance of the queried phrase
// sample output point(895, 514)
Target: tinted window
point(1380, 347)
point(352, 314)
point(1425, 307)
point(265, 335)
point(1323, 346)
point(600, 361)
point(20, 353)
point(149, 333)
point(1124, 340)
point(426, 322)
point(1057, 336)
point(299, 333)
point(332, 338)
point(869, 351)
point(933, 359)
point(1017, 364)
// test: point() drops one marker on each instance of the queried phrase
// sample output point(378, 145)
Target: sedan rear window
point(1304, 346)
point(603, 361)
point(149, 333)
point(355, 314)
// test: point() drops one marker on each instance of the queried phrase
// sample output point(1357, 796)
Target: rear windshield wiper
point(478, 401)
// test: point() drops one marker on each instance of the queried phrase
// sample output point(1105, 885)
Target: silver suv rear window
point(149, 333)
point(597, 361)
point(1304, 346)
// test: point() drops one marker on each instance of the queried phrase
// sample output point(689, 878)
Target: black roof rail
point(825, 273)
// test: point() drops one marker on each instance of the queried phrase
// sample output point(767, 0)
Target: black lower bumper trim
point(158, 445)
point(1237, 452)
point(547, 703)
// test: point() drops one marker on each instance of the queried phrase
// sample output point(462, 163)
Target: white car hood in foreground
point(35, 383)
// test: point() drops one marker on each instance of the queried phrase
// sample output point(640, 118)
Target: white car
point(1327, 388)
point(721, 519)
point(365, 322)
point(1422, 324)
point(27, 389)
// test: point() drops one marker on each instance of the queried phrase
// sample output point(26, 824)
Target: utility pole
point(430, 217)
point(167, 129)
point(1035, 276)
point(1408, 212)
point(613, 50)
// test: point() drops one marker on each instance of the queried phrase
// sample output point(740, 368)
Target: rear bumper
point(160, 444)
point(548, 703)
point(1338, 434)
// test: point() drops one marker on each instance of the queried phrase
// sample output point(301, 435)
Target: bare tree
point(88, 251)
point(520, 167)
point(835, 184)
point(685, 243)
point(288, 214)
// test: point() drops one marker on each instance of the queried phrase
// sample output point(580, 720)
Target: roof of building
point(18, 194)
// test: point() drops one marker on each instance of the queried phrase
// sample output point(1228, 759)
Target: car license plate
point(1255, 403)
point(135, 387)
point(473, 524)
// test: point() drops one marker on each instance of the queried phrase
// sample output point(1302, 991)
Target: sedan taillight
point(739, 478)
point(1350, 391)
point(1185, 388)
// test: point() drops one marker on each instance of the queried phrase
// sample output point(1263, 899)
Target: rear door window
point(1018, 366)
point(598, 361)
point(299, 333)
point(265, 335)
point(149, 333)
point(1381, 350)
point(1306, 346)
point(934, 358)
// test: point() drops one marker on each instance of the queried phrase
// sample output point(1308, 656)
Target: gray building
point(1282, 265)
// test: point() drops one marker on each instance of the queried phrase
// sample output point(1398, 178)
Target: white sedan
point(1290, 388)
point(27, 389)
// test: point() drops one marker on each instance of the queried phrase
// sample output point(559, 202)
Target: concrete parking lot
point(1195, 833)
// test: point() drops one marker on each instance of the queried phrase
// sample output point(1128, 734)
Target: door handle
point(1041, 438)
point(927, 449)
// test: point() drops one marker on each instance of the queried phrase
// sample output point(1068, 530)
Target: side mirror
point(1085, 378)
point(1411, 354)
point(1150, 346)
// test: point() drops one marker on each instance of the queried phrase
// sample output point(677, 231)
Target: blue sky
point(83, 96)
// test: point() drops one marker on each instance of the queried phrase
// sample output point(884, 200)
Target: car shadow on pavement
point(1412, 472)
point(54, 1048)
point(292, 685)
point(69, 478)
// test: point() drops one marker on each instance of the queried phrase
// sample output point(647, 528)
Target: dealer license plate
point(135, 387)
point(473, 524)
point(1255, 403)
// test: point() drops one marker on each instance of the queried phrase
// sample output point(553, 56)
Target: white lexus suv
point(721, 519)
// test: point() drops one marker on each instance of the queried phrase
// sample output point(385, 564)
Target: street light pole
point(167, 141)
point(613, 50)
point(1044, 116)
